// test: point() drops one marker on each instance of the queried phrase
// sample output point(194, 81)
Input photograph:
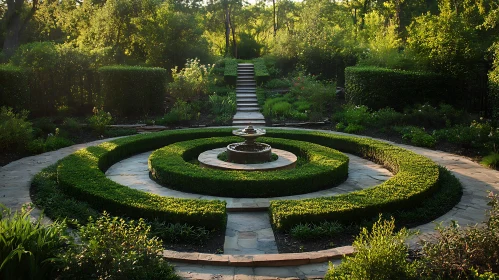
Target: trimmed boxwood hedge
point(416, 178)
point(81, 175)
point(14, 87)
point(133, 90)
point(325, 168)
point(378, 88)
point(261, 73)
point(230, 71)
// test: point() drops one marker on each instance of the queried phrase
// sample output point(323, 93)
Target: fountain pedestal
point(249, 151)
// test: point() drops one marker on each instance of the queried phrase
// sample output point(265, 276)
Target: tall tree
point(16, 24)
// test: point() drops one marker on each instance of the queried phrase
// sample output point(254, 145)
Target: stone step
point(246, 123)
point(248, 109)
point(245, 66)
point(242, 105)
point(245, 88)
point(245, 79)
point(245, 95)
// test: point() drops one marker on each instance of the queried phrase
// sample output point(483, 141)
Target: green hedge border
point(82, 175)
point(230, 71)
point(261, 73)
point(325, 168)
point(416, 178)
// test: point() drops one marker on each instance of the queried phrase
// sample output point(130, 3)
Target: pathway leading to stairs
point(248, 111)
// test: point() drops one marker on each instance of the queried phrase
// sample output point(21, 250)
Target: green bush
point(320, 95)
point(416, 178)
point(313, 231)
point(379, 254)
point(261, 73)
point(223, 107)
point(248, 47)
point(378, 88)
point(14, 87)
point(282, 109)
point(170, 166)
point(277, 83)
point(99, 121)
point(417, 136)
point(191, 82)
point(181, 112)
point(459, 253)
point(15, 129)
point(131, 90)
point(492, 160)
point(494, 89)
point(81, 175)
point(111, 248)
point(28, 249)
point(230, 72)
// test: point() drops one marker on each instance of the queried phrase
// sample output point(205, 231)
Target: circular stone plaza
point(250, 250)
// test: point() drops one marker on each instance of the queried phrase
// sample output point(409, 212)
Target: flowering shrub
point(99, 120)
point(190, 82)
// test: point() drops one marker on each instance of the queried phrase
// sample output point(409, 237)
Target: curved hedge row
point(378, 88)
point(325, 168)
point(81, 175)
point(416, 178)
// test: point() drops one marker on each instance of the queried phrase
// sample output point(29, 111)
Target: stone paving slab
point(15, 179)
point(134, 173)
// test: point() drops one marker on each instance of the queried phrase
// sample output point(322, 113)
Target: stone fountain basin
point(249, 153)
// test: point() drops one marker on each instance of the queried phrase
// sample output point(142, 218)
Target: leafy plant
point(492, 160)
point(112, 248)
point(28, 249)
point(459, 253)
point(314, 231)
point(190, 82)
point(179, 233)
point(417, 136)
point(181, 112)
point(15, 129)
point(99, 120)
point(380, 254)
point(223, 107)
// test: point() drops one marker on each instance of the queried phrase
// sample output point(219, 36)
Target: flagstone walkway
point(15, 179)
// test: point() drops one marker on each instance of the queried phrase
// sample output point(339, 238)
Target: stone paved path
point(248, 111)
point(477, 180)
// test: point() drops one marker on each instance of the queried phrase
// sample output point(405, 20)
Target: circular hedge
point(81, 175)
point(325, 168)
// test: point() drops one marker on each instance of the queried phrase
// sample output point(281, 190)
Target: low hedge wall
point(325, 168)
point(230, 71)
point(81, 175)
point(378, 88)
point(133, 90)
point(261, 73)
point(416, 178)
point(14, 87)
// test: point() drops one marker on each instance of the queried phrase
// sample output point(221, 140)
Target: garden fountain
point(249, 151)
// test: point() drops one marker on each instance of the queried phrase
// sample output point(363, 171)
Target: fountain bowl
point(244, 153)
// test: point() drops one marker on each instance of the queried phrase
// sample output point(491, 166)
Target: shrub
point(28, 249)
point(181, 112)
point(14, 87)
point(112, 248)
point(380, 87)
point(320, 95)
point(281, 109)
point(492, 160)
point(261, 73)
point(248, 47)
point(15, 130)
point(56, 142)
point(179, 233)
point(313, 231)
point(81, 175)
point(170, 166)
point(99, 121)
point(417, 136)
point(380, 254)
point(230, 72)
point(191, 82)
point(223, 107)
point(457, 252)
point(277, 83)
point(132, 90)
point(494, 89)
point(416, 178)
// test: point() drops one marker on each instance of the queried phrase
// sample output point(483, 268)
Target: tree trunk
point(15, 25)
point(275, 21)
point(227, 29)
point(234, 43)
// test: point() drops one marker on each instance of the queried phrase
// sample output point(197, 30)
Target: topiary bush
point(416, 178)
point(378, 88)
point(261, 73)
point(14, 87)
point(132, 90)
point(230, 71)
point(15, 129)
point(170, 166)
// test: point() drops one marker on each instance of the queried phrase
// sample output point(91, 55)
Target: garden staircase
point(248, 111)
